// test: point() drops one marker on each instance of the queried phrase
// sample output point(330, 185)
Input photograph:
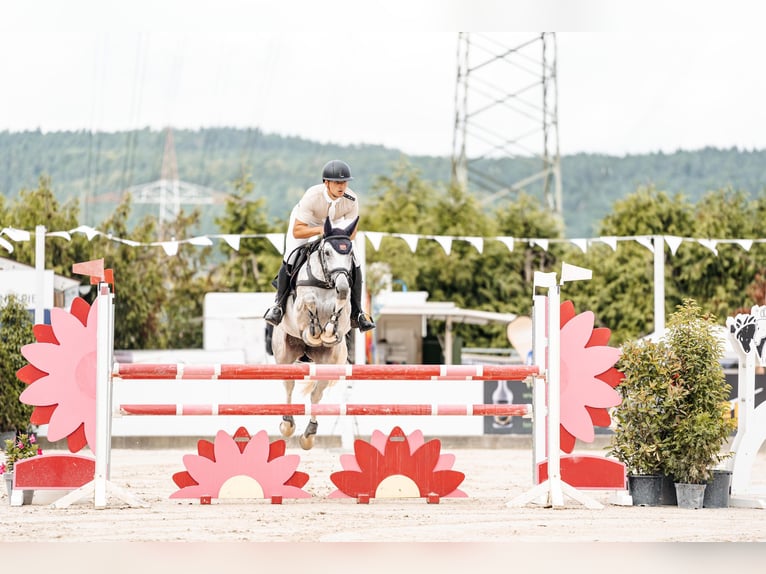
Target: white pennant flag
point(277, 240)
point(63, 234)
point(7, 245)
point(581, 243)
point(445, 241)
point(170, 247)
point(477, 242)
point(410, 238)
point(375, 238)
point(89, 232)
point(610, 240)
point(541, 242)
point(16, 234)
point(646, 242)
point(673, 242)
point(745, 244)
point(507, 241)
point(201, 240)
point(710, 244)
point(233, 241)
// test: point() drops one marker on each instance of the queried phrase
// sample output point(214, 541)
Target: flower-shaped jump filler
point(588, 376)
point(397, 466)
point(241, 466)
point(61, 375)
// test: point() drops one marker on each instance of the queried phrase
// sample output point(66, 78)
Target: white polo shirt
point(314, 207)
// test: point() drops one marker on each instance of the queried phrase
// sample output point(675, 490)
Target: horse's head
point(337, 257)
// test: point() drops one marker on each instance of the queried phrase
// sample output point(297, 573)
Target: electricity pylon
point(506, 108)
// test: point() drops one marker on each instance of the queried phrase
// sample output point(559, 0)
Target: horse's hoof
point(287, 428)
point(307, 442)
point(311, 341)
point(330, 340)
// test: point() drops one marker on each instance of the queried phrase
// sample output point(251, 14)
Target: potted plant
point(701, 423)
point(23, 446)
point(15, 332)
point(641, 423)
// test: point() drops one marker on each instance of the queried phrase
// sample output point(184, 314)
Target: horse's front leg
point(307, 438)
point(330, 335)
point(308, 323)
point(287, 426)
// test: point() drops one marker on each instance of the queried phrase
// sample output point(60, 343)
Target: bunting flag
point(232, 241)
point(375, 237)
point(89, 232)
point(581, 243)
point(542, 243)
point(507, 241)
point(477, 242)
point(646, 242)
point(611, 241)
point(673, 242)
point(710, 244)
point(444, 241)
point(410, 238)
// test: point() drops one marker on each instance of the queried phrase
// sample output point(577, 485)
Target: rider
point(332, 198)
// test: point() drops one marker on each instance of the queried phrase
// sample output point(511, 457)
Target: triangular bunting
point(745, 244)
point(542, 243)
point(7, 245)
point(233, 242)
point(445, 241)
point(610, 240)
point(203, 240)
point(276, 239)
point(581, 243)
point(63, 234)
point(410, 238)
point(673, 242)
point(375, 238)
point(646, 242)
point(507, 241)
point(710, 244)
point(477, 242)
point(16, 234)
point(170, 247)
point(89, 232)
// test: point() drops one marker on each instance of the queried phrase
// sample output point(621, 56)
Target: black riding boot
point(275, 313)
point(359, 319)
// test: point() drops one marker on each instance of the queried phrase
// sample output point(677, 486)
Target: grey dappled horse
point(317, 315)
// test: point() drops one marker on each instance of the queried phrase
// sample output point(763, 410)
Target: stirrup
point(363, 322)
point(274, 315)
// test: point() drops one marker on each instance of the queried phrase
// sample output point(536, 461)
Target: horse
point(317, 314)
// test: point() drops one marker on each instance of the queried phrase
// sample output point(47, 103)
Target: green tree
point(15, 332)
point(255, 264)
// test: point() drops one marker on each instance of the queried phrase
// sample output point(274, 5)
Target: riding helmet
point(336, 170)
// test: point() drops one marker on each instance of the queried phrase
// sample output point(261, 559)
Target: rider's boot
point(359, 319)
point(275, 313)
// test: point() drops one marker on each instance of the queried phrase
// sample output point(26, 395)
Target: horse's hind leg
point(307, 438)
point(287, 426)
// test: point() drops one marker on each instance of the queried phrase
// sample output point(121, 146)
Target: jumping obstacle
point(545, 408)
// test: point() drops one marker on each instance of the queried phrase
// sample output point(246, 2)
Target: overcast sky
point(631, 78)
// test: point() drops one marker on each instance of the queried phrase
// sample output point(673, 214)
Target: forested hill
point(95, 168)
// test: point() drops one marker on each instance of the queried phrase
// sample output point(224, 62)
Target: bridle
point(341, 244)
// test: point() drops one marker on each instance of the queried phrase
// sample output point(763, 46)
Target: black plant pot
point(669, 491)
point(718, 490)
point(645, 489)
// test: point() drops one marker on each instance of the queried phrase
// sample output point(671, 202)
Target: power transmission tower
point(168, 191)
point(506, 108)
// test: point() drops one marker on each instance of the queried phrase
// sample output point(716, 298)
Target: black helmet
point(336, 170)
